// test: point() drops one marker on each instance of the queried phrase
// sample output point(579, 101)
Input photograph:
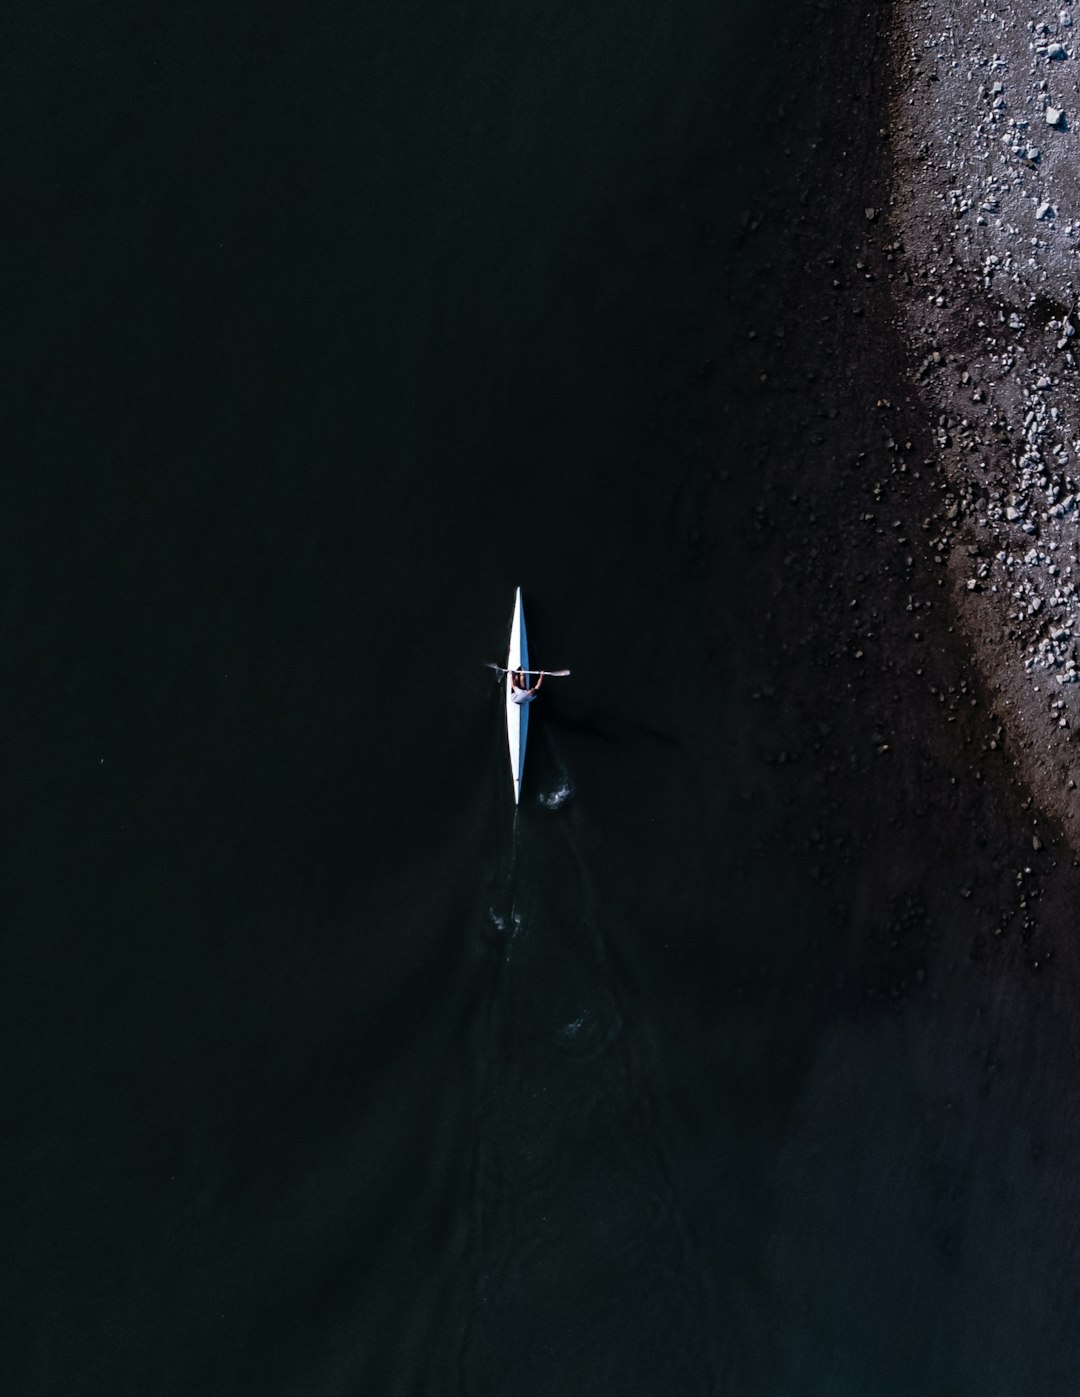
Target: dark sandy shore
point(891, 723)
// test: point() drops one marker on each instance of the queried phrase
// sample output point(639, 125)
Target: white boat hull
point(517, 714)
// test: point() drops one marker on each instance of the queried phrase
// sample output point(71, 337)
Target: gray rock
point(1053, 116)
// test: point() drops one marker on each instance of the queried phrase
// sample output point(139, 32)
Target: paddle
point(549, 673)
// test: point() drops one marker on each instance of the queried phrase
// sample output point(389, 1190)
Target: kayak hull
point(517, 714)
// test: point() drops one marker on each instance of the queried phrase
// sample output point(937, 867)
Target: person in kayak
point(519, 689)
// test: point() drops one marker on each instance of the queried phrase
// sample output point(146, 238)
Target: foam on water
point(559, 796)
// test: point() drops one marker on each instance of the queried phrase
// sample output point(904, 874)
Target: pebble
point(1053, 115)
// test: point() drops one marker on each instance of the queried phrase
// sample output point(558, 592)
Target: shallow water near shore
point(331, 1072)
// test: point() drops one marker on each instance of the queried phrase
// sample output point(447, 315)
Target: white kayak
point(517, 714)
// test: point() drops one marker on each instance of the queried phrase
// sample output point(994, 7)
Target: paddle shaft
point(551, 673)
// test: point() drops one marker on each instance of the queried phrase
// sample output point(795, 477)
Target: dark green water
point(325, 1073)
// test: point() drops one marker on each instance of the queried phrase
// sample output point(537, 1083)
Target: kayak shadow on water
point(606, 726)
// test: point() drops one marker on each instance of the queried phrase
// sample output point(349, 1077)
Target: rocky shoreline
point(884, 714)
point(986, 204)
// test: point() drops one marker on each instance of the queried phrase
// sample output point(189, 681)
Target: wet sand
point(888, 736)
